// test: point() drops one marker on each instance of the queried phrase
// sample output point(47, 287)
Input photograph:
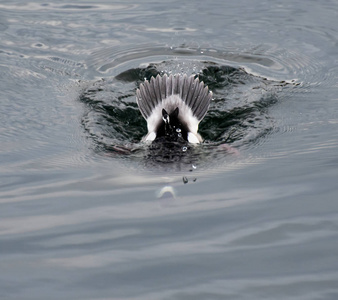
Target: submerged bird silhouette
point(173, 107)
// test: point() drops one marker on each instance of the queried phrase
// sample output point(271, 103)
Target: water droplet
point(193, 166)
point(184, 149)
point(185, 180)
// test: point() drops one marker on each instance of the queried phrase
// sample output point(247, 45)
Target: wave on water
point(238, 116)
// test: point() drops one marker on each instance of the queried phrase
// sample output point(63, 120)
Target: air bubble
point(184, 149)
point(178, 129)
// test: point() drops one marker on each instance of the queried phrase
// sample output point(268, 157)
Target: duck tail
point(193, 93)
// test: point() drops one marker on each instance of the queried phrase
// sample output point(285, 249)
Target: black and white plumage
point(173, 106)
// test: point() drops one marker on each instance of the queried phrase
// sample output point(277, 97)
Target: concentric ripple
point(245, 86)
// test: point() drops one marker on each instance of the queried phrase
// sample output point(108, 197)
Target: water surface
point(86, 212)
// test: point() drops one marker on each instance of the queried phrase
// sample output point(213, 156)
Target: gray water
point(87, 213)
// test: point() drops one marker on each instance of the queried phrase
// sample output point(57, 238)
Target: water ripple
point(246, 84)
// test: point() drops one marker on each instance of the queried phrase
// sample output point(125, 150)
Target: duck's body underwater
point(173, 107)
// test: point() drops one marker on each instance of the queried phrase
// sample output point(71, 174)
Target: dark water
point(88, 212)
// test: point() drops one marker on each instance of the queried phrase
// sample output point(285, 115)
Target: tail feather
point(192, 92)
point(169, 86)
point(194, 97)
point(156, 87)
point(141, 101)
